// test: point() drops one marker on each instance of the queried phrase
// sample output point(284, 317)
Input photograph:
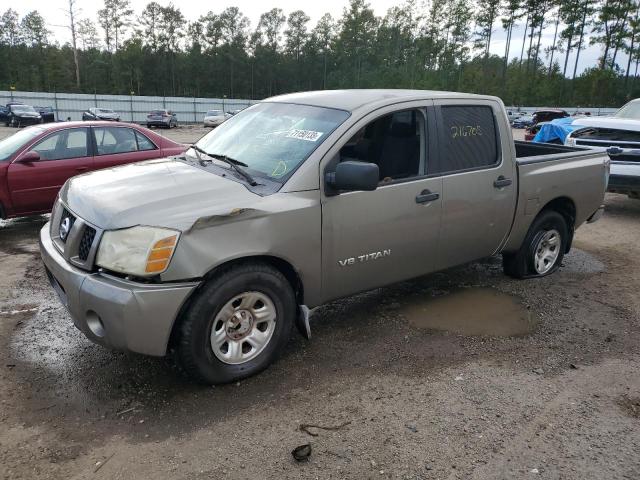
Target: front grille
point(75, 239)
point(86, 242)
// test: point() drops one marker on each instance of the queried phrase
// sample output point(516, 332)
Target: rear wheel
point(237, 325)
point(543, 248)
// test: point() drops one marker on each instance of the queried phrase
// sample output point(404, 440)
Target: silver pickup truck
point(299, 200)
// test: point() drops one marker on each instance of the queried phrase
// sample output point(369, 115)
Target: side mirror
point(352, 175)
point(29, 157)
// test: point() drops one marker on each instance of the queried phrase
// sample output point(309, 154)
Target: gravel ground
point(555, 397)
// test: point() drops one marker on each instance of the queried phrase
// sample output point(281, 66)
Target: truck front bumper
point(112, 311)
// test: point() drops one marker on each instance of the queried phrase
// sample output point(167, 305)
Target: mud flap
point(302, 322)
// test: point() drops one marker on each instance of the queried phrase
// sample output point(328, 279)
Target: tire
point(543, 248)
point(255, 287)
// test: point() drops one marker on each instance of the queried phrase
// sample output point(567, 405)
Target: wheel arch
point(283, 266)
point(566, 207)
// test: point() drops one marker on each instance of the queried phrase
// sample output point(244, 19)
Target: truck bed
point(547, 172)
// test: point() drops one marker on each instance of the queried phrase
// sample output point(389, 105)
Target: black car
point(19, 115)
point(4, 111)
point(96, 113)
point(47, 113)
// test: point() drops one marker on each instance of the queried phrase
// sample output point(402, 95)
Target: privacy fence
point(134, 108)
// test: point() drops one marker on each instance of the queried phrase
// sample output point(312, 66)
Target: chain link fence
point(134, 108)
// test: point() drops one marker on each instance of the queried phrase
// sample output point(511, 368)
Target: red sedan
point(35, 162)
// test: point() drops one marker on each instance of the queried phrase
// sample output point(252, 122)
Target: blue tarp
point(557, 129)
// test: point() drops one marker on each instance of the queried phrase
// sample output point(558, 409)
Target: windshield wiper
point(233, 163)
point(237, 166)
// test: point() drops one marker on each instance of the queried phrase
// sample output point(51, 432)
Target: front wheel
point(237, 325)
point(543, 248)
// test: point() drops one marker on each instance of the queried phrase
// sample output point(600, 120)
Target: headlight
point(139, 251)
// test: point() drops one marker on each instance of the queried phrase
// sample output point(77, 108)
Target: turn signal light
point(160, 254)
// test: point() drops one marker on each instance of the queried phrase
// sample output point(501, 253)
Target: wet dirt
point(421, 404)
point(472, 311)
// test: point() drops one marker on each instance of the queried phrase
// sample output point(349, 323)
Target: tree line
point(443, 45)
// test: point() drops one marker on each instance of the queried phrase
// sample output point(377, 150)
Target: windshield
point(104, 110)
point(23, 109)
point(272, 139)
point(158, 112)
point(214, 113)
point(11, 145)
point(630, 110)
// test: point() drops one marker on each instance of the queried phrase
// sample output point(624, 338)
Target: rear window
point(469, 139)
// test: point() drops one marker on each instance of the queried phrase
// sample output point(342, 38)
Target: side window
point(71, 143)
point(469, 139)
point(394, 142)
point(111, 140)
point(144, 143)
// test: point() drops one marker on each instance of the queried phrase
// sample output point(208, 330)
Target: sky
point(53, 11)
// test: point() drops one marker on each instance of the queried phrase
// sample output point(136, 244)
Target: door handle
point(501, 181)
point(82, 169)
point(426, 196)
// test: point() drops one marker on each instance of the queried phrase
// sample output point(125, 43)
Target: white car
point(620, 131)
point(213, 118)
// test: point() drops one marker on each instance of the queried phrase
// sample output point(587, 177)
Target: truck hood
point(163, 193)
point(609, 122)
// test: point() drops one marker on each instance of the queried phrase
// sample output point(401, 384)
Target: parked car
point(347, 193)
point(19, 115)
point(522, 121)
point(4, 111)
point(106, 114)
point(540, 117)
point(162, 118)
point(513, 115)
point(620, 131)
point(546, 115)
point(36, 161)
point(48, 114)
point(213, 118)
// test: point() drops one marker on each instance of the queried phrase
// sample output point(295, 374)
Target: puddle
point(473, 311)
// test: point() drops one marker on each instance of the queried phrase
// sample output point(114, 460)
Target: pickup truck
point(620, 133)
point(216, 254)
point(36, 161)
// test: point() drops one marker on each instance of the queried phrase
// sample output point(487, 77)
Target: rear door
point(120, 145)
point(375, 238)
point(479, 180)
point(63, 154)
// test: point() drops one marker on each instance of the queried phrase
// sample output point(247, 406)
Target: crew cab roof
point(351, 100)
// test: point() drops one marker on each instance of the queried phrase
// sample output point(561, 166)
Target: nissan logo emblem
point(65, 226)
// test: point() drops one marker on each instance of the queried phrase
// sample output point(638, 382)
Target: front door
point(374, 238)
point(63, 154)
point(479, 180)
